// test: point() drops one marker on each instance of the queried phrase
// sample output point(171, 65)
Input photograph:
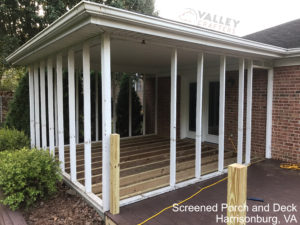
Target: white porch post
point(43, 104)
point(269, 114)
point(173, 118)
point(77, 105)
point(96, 106)
point(37, 106)
point(114, 78)
point(144, 106)
point(129, 108)
point(55, 110)
point(60, 110)
point(31, 103)
point(222, 112)
point(241, 111)
point(72, 129)
point(199, 115)
point(87, 116)
point(156, 101)
point(106, 118)
point(249, 111)
point(50, 106)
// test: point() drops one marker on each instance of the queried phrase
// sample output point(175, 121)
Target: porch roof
point(88, 20)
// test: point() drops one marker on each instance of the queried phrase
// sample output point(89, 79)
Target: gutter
point(108, 16)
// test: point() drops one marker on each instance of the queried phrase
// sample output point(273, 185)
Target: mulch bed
point(63, 208)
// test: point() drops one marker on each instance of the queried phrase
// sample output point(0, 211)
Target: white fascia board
point(121, 19)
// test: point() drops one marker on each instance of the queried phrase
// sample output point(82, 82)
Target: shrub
point(26, 176)
point(12, 139)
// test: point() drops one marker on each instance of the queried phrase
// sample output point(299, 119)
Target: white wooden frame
point(200, 62)
point(77, 73)
point(249, 111)
point(130, 107)
point(173, 118)
point(50, 106)
point(37, 106)
point(96, 106)
point(60, 111)
point(31, 105)
point(269, 114)
point(87, 116)
point(43, 104)
point(222, 112)
point(72, 108)
point(106, 118)
point(241, 111)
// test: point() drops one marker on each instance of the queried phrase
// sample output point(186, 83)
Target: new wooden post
point(115, 174)
point(237, 194)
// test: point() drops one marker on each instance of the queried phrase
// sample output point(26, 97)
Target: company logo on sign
point(208, 20)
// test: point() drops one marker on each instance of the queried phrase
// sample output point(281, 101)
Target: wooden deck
point(144, 163)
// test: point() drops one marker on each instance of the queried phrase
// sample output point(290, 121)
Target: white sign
point(208, 20)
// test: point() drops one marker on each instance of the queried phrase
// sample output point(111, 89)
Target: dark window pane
point(213, 113)
point(192, 113)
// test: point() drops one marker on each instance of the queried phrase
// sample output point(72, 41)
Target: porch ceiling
point(87, 21)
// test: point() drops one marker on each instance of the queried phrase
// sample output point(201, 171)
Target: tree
point(20, 20)
point(123, 109)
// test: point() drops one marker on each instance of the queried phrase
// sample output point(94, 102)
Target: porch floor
point(144, 163)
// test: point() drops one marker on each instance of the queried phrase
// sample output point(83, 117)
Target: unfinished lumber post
point(237, 194)
point(115, 174)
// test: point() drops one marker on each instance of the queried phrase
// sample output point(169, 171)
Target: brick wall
point(286, 114)
point(150, 105)
point(5, 99)
point(259, 103)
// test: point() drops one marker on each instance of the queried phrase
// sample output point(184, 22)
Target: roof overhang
point(87, 20)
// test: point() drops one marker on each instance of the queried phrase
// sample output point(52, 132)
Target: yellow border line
point(192, 196)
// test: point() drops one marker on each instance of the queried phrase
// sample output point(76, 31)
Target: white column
point(129, 107)
point(43, 104)
point(106, 118)
point(269, 114)
point(31, 105)
point(156, 102)
point(249, 111)
point(199, 115)
point(72, 127)
point(114, 103)
point(96, 106)
point(77, 105)
point(56, 111)
point(50, 106)
point(173, 118)
point(241, 111)
point(60, 111)
point(222, 112)
point(144, 106)
point(87, 116)
point(37, 106)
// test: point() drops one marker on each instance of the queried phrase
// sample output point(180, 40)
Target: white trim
point(50, 106)
point(60, 111)
point(37, 106)
point(43, 104)
point(269, 114)
point(31, 106)
point(72, 129)
point(55, 110)
point(130, 107)
point(222, 112)
point(173, 118)
point(87, 116)
point(241, 111)
point(106, 118)
point(249, 111)
point(200, 62)
point(77, 74)
point(96, 106)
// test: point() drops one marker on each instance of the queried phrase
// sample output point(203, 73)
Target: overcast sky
point(254, 15)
